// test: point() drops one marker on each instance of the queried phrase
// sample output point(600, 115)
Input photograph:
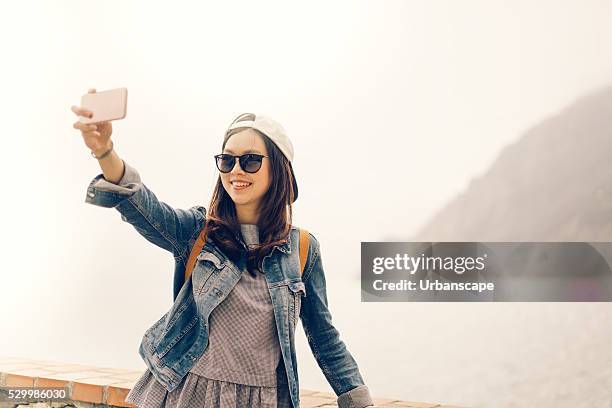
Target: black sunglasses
point(250, 162)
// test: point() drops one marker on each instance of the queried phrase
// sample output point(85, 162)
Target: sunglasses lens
point(225, 163)
point(251, 163)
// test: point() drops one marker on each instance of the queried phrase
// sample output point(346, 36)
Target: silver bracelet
point(106, 153)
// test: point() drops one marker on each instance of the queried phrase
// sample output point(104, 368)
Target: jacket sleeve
point(160, 223)
point(330, 352)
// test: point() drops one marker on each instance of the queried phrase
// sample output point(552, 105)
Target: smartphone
point(105, 106)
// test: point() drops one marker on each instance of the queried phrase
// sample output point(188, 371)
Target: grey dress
point(242, 364)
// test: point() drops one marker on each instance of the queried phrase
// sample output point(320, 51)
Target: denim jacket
point(172, 345)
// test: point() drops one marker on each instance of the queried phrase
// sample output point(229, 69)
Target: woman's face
point(247, 141)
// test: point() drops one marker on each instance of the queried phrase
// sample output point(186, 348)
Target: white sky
point(392, 107)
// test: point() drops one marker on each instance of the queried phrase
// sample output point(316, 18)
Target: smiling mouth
point(240, 185)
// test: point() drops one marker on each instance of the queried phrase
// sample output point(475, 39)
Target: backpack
point(201, 240)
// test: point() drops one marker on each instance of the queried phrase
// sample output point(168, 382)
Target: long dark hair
point(274, 222)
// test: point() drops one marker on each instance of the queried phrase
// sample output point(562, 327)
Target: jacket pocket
point(297, 290)
point(182, 319)
point(207, 269)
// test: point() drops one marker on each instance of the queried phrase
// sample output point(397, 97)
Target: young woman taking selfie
point(229, 338)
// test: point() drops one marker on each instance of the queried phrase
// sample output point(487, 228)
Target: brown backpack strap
point(304, 244)
point(195, 251)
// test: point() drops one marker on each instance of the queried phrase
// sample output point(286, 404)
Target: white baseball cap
point(273, 130)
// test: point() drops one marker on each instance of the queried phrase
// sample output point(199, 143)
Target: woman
point(228, 340)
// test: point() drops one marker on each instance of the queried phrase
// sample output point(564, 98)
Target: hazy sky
point(392, 107)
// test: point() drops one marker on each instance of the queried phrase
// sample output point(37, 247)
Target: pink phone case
point(106, 105)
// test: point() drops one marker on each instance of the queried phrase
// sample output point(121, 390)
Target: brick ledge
point(110, 386)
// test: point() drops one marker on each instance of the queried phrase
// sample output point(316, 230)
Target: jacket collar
point(286, 247)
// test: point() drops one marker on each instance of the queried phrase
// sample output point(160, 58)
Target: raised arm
point(119, 186)
point(330, 352)
point(167, 227)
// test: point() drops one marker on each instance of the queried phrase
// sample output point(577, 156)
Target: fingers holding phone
point(96, 136)
point(95, 115)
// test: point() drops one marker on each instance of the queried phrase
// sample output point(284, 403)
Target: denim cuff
point(103, 193)
point(130, 176)
point(126, 185)
point(358, 397)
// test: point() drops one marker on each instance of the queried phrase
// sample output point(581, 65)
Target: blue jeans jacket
point(171, 346)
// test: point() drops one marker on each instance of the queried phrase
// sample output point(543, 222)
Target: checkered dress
point(240, 364)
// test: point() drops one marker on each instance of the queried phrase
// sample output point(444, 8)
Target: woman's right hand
point(96, 135)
